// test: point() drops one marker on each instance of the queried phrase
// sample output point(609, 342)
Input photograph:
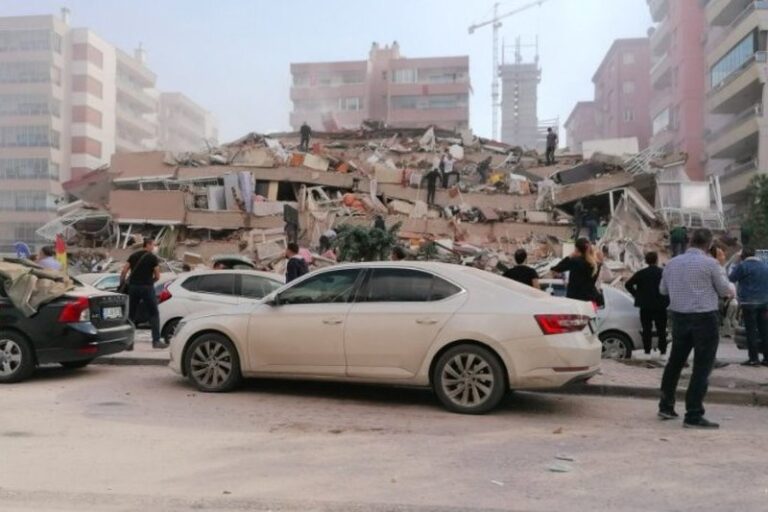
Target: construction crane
point(496, 22)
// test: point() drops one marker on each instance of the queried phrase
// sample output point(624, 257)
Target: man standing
point(694, 283)
point(678, 238)
point(297, 266)
point(47, 258)
point(578, 219)
point(432, 177)
point(306, 132)
point(521, 272)
point(751, 276)
point(644, 287)
point(482, 170)
point(447, 168)
point(552, 141)
point(144, 269)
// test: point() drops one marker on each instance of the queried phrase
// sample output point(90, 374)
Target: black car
point(71, 330)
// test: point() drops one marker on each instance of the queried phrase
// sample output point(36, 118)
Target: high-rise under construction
point(519, 99)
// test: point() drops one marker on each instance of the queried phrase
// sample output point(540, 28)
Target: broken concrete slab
point(316, 162)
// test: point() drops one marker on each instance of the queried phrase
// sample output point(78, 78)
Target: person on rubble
point(578, 219)
point(306, 132)
point(140, 273)
point(644, 287)
point(432, 177)
point(552, 141)
point(583, 272)
point(678, 238)
point(483, 168)
point(592, 223)
point(521, 272)
point(297, 265)
point(447, 168)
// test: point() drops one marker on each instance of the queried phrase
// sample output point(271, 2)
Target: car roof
point(257, 273)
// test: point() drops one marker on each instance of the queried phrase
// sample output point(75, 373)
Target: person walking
point(432, 177)
point(305, 132)
point(552, 141)
point(751, 278)
point(678, 238)
point(694, 283)
point(521, 272)
point(644, 287)
point(140, 273)
point(582, 272)
point(297, 265)
point(47, 258)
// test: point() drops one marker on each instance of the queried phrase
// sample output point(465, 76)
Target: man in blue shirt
point(751, 276)
point(694, 282)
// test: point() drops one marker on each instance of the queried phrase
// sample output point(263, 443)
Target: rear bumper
point(82, 341)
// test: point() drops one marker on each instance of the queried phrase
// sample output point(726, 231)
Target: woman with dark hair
point(582, 271)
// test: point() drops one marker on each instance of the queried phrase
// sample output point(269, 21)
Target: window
point(404, 285)
point(28, 169)
point(28, 105)
point(25, 72)
point(28, 136)
point(733, 60)
point(661, 122)
point(350, 104)
point(26, 201)
point(628, 58)
point(628, 87)
point(328, 287)
point(629, 115)
point(29, 40)
point(109, 283)
point(257, 287)
point(221, 284)
point(405, 76)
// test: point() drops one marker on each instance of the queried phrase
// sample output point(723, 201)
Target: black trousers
point(138, 294)
point(550, 156)
point(431, 193)
point(648, 319)
point(757, 330)
point(697, 332)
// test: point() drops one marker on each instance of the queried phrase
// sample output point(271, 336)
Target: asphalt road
point(130, 438)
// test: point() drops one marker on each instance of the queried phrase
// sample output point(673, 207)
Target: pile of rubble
point(253, 194)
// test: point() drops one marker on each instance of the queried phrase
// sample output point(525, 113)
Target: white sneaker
point(663, 358)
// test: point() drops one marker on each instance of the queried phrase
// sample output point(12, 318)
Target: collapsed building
point(244, 196)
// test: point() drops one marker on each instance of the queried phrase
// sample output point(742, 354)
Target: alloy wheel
point(467, 380)
point(10, 357)
point(211, 364)
point(613, 348)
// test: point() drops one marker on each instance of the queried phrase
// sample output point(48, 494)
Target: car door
point(302, 331)
point(252, 289)
point(210, 292)
point(396, 317)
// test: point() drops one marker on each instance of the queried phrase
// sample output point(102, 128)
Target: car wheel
point(16, 357)
point(469, 379)
point(616, 345)
point(169, 329)
point(74, 365)
point(212, 363)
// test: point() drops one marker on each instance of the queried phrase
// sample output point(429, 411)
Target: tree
point(361, 243)
point(756, 220)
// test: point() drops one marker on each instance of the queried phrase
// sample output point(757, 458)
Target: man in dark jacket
point(432, 177)
point(306, 132)
point(644, 287)
point(297, 266)
point(751, 276)
point(521, 272)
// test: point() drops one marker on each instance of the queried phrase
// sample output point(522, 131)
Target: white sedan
point(211, 290)
point(469, 334)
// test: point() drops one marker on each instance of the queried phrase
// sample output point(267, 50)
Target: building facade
point(183, 124)
point(622, 94)
point(519, 103)
point(387, 87)
point(737, 131)
point(583, 124)
point(678, 80)
point(68, 101)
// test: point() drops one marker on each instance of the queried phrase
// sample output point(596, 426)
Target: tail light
point(164, 296)
point(561, 324)
point(77, 311)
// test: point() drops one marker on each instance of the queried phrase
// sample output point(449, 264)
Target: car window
point(255, 287)
point(336, 286)
point(406, 285)
point(221, 284)
point(109, 282)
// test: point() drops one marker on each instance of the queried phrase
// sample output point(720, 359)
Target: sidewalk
point(638, 377)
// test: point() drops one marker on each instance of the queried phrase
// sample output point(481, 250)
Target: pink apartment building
point(387, 87)
point(678, 80)
point(622, 94)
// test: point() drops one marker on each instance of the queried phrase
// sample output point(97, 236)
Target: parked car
point(110, 281)
point(211, 290)
point(618, 322)
point(233, 262)
point(469, 334)
point(71, 330)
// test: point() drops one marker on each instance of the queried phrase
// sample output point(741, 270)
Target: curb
point(716, 396)
point(131, 361)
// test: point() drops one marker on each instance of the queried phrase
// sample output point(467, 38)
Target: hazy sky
point(233, 56)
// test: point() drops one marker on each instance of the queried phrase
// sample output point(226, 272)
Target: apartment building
point(678, 80)
point(388, 87)
point(184, 125)
point(519, 103)
point(68, 101)
point(622, 94)
point(737, 131)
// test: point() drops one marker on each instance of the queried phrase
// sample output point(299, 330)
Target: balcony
point(661, 73)
point(136, 96)
point(736, 178)
point(135, 122)
point(661, 38)
point(741, 89)
point(659, 9)
point(138, 71)
point(738, 137)
point(745, 18)
point(723, 12)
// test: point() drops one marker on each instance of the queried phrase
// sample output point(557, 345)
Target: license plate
point(111, 313)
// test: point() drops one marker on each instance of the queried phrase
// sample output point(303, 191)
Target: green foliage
point(361, 243)
point(756, 221)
